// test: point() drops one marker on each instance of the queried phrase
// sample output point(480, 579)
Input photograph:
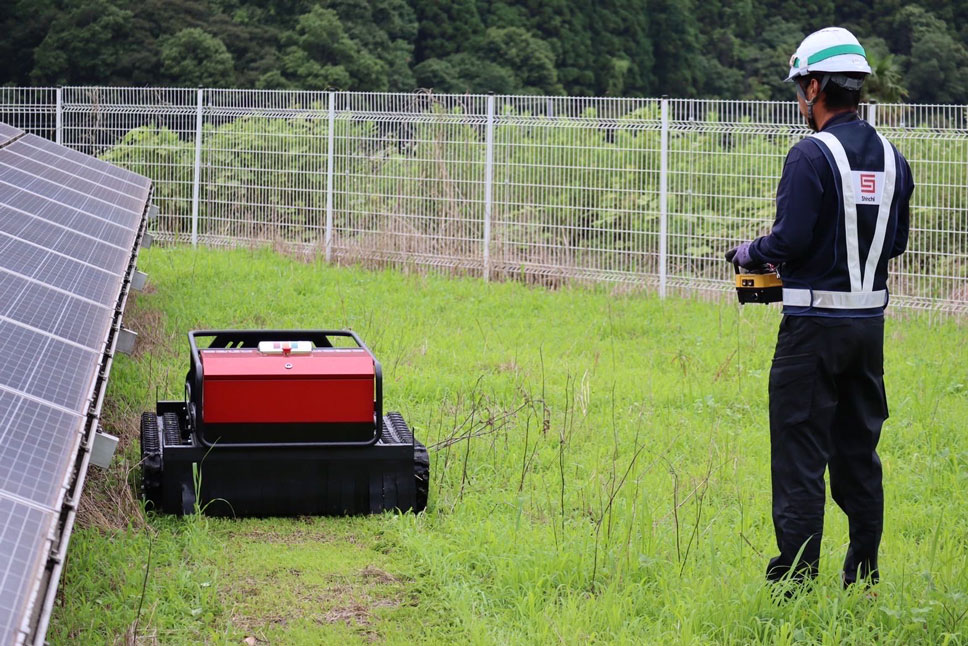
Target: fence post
point(330, 140)
point(664, 197)
point(197, 179)
point(872, 113)
point(488, 185)
point(59, 117)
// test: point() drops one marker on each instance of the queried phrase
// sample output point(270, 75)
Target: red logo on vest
point(868, 183)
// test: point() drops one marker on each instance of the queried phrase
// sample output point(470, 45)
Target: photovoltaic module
point(70, 230)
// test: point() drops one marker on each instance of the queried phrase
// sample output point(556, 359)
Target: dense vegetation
point(683, 48)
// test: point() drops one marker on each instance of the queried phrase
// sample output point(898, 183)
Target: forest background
point(683, 48)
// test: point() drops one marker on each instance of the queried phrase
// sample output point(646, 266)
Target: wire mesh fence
point(649, 191)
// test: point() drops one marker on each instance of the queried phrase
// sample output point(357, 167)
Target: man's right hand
point(740, 256)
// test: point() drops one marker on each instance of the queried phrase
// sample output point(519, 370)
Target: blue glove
point(740, 255)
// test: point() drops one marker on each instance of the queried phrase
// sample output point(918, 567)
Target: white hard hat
point(833, 49)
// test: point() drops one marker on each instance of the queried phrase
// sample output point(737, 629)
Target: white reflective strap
point(834, 300)
point(883, 216)
point(850, 207)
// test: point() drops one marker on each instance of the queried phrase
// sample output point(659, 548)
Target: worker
point(841, 212)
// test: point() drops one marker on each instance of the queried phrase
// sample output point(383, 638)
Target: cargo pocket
point(884, 409)
point(792, 380)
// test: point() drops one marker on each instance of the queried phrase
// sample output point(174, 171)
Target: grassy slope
point(611, 486)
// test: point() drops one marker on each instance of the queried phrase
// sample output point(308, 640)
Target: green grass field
point(599, 476)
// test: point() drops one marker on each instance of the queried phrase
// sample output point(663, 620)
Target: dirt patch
point(291, 537)
point(376, 575)
point(344, 599)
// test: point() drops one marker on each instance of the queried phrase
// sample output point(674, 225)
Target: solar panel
point(36, 440)
point(59, 238)
point(30, 204)
point(106, 209)
point(57, 313)
point(8, 133)
point(23, 531)
point(70, 226)
point(45, 367)
point(86, 160)
point(51, 268)
point(71, 175)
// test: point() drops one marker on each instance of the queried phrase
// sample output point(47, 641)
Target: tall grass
point(599, 475)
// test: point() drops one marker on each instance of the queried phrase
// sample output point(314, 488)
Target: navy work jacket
point(808, 241)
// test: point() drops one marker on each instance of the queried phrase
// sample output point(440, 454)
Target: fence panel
point(147, 130)
point(32, 109)
point(409, 178)
point(725, 162)
point(576, 188)
point(934, 139)
point(549, 188)
point(263, 166)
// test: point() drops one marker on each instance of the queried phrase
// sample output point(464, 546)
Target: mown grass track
point(600, 475)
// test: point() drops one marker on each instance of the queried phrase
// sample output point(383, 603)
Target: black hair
point(836, 97)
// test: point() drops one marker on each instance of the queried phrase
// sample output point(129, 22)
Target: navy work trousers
point(827, 405)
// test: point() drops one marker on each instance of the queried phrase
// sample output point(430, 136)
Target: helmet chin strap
point(803, 95)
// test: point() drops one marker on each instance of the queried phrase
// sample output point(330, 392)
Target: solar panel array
point(70, 226)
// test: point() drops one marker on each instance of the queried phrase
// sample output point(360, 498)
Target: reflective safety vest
point(858, 187)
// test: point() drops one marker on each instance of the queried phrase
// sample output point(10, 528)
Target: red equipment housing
point(281, 423)
point(326, 386)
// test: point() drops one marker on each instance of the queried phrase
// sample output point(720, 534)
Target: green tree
point(886, 82)
point(88, 44)
point(623, 54)
point(676, 46)
point(23, 23)
point(385, 30)
point(193, 57)
point(528, 57)
point(323, 55)
point(935, 59)
point(465, 72)
point(936, 69)
point(445, 26)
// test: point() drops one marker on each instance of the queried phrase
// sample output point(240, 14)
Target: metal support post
point(330, 147)
point(488, 184)
point(872, 113)
point(664, 198)
point(59, 118)
point(196, 181)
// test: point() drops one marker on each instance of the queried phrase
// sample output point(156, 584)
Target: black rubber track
point(421, 459)
point(151, 462)
point(172, 430)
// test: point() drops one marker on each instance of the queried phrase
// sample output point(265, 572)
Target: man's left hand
point(740, 255)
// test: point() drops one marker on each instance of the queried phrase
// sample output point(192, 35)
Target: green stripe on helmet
point(836, 50)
